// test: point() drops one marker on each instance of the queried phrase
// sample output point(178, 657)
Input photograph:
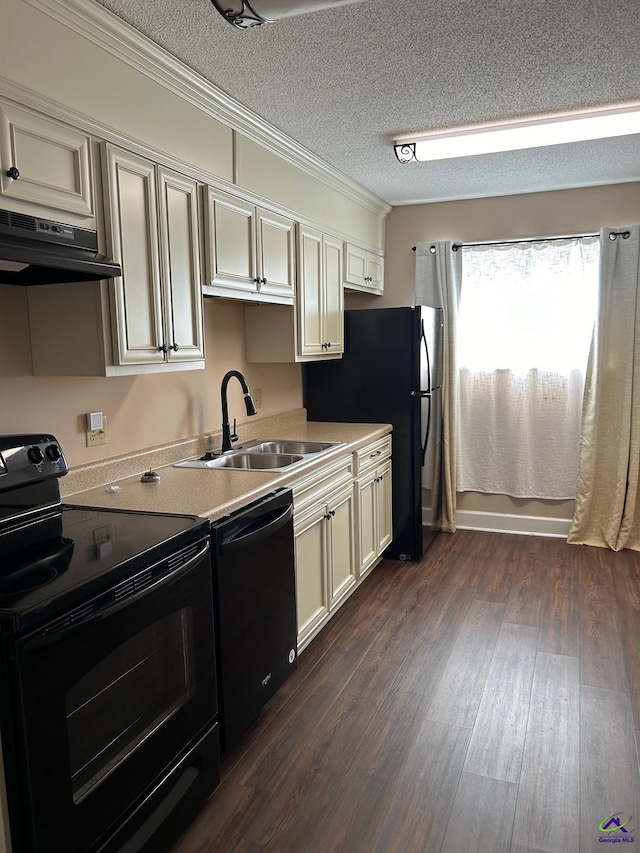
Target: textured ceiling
point(346, 82)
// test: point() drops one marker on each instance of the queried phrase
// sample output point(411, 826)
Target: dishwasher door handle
point(256, 534)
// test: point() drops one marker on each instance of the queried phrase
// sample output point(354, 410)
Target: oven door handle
point(106, 603)
point(257, 534)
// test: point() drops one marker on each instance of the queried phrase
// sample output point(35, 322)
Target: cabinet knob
point(263, 281)
point(174, 346)
point(163, 348)
point(329, 345)
point(13, 173)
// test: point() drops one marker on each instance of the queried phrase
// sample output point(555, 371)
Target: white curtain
point(608, 499)
point(438, 279)
point(524, 329)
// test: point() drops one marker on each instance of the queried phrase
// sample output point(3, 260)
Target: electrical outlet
point(257, 397)
point(95, 437)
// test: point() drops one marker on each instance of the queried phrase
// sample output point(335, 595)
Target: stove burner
point(37, 570)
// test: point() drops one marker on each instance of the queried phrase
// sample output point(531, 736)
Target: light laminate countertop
point(215, 492)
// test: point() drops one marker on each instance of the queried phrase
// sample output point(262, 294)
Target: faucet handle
point(234, 435)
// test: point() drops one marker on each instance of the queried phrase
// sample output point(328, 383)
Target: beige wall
point(536, 214)
point(142, 411)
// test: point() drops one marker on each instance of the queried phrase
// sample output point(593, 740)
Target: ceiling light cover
point(244, 14)
point(514, 136)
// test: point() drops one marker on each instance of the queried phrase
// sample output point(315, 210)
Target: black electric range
point(51, 554)
point(108, 701)
point(49, 563)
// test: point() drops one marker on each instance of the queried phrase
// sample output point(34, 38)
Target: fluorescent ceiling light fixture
point(514, 136)
point(244, 14)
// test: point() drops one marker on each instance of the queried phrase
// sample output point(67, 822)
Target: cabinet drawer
point(372, 454)
point(315, 487)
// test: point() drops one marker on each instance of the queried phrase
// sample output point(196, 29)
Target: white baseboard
point(525, 525)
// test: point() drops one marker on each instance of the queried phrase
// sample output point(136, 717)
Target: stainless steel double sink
point(267, 455)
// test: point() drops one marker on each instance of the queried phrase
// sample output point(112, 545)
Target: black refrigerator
point(391, 372)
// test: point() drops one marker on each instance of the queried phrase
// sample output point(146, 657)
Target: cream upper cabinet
point(314, 329)
point(249, 251)
point(363, 270)
point(149, 319)
point(180, 266)
point(45, 163)
point(320, 298)
point(131, 205)
point(152, 228)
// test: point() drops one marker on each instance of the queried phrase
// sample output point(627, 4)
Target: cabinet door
point(312, 600)
point(366, 509)
point(180, 257)
point(355, 264)
point(276, 254)
point(231, 244)
point(333, 295)
point(132, 231)
point(383, 507)
point(375, 272)
point(342, 564)
point(310, 302)
point(53, 161)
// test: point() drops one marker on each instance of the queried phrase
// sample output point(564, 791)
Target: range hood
point(40, 251)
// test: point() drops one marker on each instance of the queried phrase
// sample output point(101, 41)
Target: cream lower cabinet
point(373, 510)
point(250, 251)
point(373, 502)
point(325, 545)
point(149, 319)
point(341, 528)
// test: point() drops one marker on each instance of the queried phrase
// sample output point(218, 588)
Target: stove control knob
point(53, 452)
point(35, 455)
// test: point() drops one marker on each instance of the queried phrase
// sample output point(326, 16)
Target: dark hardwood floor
point(486, 699)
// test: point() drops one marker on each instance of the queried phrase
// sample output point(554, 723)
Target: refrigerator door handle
point(427, 430)
point(423, 342)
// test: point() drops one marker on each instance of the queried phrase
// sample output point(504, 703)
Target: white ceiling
point(346, 82)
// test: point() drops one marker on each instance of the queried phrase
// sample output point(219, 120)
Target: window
point(525, 325)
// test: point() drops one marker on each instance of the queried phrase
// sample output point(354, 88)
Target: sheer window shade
point(524, 330)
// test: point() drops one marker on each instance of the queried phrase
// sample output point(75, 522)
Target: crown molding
point(108, 32)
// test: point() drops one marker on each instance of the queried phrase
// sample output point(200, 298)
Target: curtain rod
point(612, 236)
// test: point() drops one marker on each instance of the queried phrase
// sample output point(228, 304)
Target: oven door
point(110, 696)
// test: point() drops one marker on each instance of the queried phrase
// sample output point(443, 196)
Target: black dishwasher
point(255, 606)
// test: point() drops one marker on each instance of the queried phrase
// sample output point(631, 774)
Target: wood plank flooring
point(485, 700)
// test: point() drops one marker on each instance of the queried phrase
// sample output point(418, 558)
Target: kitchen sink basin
point(270, 455)
point(298, 447)
point(254, 461)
